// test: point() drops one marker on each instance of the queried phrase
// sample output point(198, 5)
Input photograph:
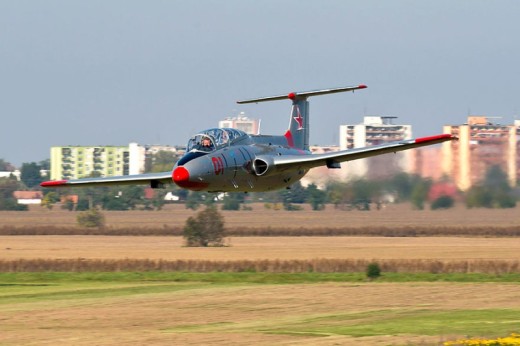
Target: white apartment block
point(241, 122)
point(373, 131)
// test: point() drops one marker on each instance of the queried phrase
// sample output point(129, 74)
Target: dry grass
point(393, 221)
point(494, 267)
point(269, 254)
point(399, 215)
point(238, 315)
point(259, 248)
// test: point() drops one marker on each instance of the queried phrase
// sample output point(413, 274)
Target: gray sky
point(154, 72)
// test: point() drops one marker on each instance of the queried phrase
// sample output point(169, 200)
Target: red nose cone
point(181, 176)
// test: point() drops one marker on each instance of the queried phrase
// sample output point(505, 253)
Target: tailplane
point(298, 133)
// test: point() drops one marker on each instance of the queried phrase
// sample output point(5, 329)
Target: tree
point(122, 197)
point(163, 161)
point(496, 179)
point(296, 193)
point(49, 199)
point(194, 200)
point(443, 202)
point(479, 197)
point(493, 192)
point(334, 194)
point(30, 174)
point(68, 205)
point(7, 201)
point(157, 201)
point(233, 200)
point(402, 184)
point(316, 197)
point(205, 229)
point(89, 197)
point(91, 218)
point(420, 193)
point(6, 166)
point(45, 164)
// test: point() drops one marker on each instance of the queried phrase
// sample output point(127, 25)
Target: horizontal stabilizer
point(303, 94)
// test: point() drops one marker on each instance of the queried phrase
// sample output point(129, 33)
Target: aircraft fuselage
point(241, 167)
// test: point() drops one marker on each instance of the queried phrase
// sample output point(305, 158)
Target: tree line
point(359, 193)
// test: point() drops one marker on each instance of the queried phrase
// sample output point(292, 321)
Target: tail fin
point(298, 133)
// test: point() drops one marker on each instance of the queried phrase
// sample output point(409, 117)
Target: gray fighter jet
point(230, 160)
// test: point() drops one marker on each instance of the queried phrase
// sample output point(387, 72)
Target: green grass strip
point(490, 322)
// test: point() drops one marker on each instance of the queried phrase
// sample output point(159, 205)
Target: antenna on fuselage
point(259, 126)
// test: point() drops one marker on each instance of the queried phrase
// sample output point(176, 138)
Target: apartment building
point(74, 162)
point(241, 122)
point(373, 131)
point(141, 156)
point(482, 143)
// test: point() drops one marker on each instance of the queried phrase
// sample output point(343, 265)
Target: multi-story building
point(141, 156)
point(74, 162)
point(517, 125)
point(481, 144)
point(241, 122)
point(427, 161)
point(373, 131)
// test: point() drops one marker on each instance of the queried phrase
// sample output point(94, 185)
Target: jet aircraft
point(230, 160)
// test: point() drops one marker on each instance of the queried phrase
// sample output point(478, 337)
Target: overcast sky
point(155, 72)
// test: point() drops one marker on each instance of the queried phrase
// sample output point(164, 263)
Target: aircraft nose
point(181, 176)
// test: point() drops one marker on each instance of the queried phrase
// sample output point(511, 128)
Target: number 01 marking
point(218, 165)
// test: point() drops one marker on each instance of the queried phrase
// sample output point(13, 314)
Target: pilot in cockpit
point(205, 144)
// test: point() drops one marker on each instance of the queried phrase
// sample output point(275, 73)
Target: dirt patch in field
point(238, 315)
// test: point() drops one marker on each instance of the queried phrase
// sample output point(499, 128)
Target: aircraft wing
point(152, 179)
point(333, 159)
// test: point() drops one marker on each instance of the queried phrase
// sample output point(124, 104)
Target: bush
point(373, 271)
point(91, 218)
point(504, 200)
point(316, 197)
point(292, 207)
point(11, 204)
point(205, 229)
point(231, 203)
point(443, 202)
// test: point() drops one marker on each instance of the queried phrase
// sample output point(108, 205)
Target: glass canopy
point(218, 138)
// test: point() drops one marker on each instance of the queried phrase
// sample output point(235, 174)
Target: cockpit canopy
point(218, 138)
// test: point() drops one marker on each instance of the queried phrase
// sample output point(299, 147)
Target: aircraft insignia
point(299, 118)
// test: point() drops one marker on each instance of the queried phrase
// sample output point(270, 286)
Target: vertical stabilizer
point(298, 133)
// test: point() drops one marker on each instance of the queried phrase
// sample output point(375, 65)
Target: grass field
point(259, 248)
point(231, 309)
point(175, 216)
point(259, 308)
